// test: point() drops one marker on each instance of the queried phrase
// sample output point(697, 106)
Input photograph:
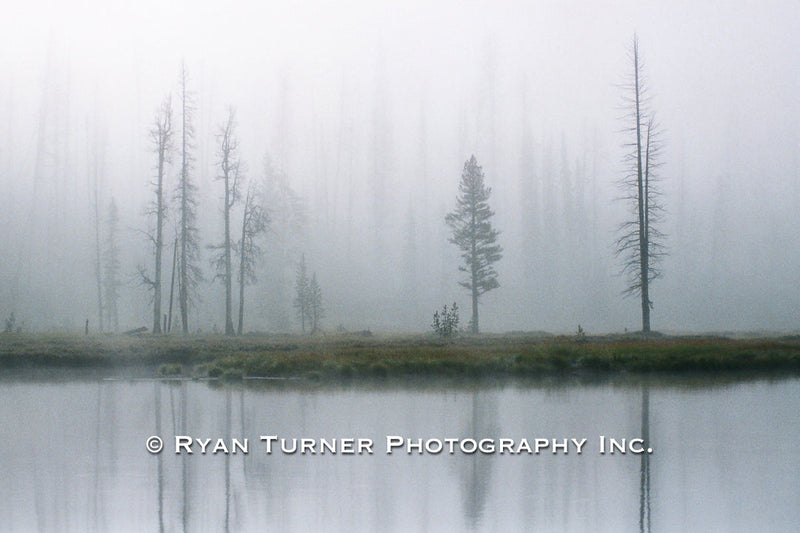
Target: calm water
point(725, 457)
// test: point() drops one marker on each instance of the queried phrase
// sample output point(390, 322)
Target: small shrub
point(445, 323)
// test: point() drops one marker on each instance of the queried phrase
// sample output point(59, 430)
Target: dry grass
point(351, 355)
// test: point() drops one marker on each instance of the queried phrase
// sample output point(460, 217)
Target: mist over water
point(75, 451)
point(359, 118)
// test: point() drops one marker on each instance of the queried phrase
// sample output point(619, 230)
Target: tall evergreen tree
point(640, 244)
point(474, 235)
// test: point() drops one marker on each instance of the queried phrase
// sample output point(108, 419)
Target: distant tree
point(640, 243)
point(315, 310)
point(381, 157)
point(284, 242)
point(474, 235)
point(568, 208)
point(255, 221)
point(301, 288)
point(230, 168)
point(98, 273)
point(410, 260)
point(528, 189)
point(189, 273)
point(161, 135)
point(111, 265)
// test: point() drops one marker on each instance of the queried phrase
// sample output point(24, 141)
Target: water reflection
point(75, 458)
point(644, 470)
point(184, 430)
point(475, 473)
point(228, 436)
point(159, 459)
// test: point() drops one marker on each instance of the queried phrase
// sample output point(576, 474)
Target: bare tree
point(640, 244)
point(161, 135)
point(474, 235)
point(230, 174)
point(188, 234)
point(254, 222)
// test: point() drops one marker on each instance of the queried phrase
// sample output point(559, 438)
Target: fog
point(366, 113)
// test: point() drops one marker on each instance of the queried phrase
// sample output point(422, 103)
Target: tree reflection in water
point(644, 469)
point(475, 472)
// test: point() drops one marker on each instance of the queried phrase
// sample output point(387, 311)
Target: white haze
point(339, 92)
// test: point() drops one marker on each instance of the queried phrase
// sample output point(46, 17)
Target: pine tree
point(474, 235)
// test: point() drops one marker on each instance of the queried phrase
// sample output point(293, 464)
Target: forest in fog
point(353, 122)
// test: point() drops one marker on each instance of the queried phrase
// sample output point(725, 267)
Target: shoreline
point(346, 356)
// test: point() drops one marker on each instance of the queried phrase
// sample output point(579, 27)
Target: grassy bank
point(345, 356)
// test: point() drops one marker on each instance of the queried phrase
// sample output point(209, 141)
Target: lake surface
point(726, 457)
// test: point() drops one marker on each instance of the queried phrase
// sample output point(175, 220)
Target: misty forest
point(355, 166)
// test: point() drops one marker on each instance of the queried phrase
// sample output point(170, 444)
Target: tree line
point(237, 256)
point(249, 212)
